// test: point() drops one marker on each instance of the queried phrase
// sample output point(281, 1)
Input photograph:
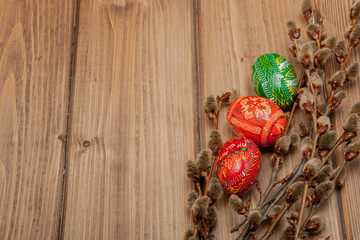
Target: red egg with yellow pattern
point(238, 165)
point(258, 119)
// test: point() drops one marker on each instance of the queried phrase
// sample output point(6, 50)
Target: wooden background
point(100, 108)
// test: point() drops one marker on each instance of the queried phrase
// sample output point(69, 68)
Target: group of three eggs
point(257, 121)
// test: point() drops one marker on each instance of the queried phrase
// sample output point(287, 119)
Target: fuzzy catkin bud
point(323, 124)
point(328, 140)
point(288, 234)
point(355, 108)
point(355, 34)
point(235, 203)
point(306, 55)
point(324, 174)
point(295, 139)
point(214, 142)
point(313, 31)
point(351, 123)
point(233, 96)
point(283, 143)
point(352, 72)
point(306, 7)
point(322, 192)
point(355, 10)
point(321, 56)
point(212, 216)
point(193, 195)
point(306, 147)
point(193, 171)
point(340, 181)
point(339, 97)
point(316, 80)
point(200, 207)
point(330, 42)
point(189, 233)
point(316, 224)
point(254, 218)
point(311, 168)
point(352, 151)
point(274, 211)
point(337, 80)
point(306, 100)
point(215, 190)
point(203, 160)
point(291, 214)
point(294, 192)
point(293, 30)
point(210, 104)
point(340, 49)
point(303, 130)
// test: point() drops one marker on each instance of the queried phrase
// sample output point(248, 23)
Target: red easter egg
point(238, 165)
point(258, 119)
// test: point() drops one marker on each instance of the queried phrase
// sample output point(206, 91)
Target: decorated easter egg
point(258, 119)
point(274, 78)
point(238, 164)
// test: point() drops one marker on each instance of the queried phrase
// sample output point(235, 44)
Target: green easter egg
point(274, 78)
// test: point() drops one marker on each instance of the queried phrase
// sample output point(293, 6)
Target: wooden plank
point(35, 50)
point(350, 193)
point(133, 121)
point(232, 34)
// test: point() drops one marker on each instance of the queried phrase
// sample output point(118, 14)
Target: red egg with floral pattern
point(258, 119)
point(238, 165)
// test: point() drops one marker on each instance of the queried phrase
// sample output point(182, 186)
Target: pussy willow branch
point(236, 228)
point(217, 115)
point(306, 185)
point(275, 221)
point(275, 198)
point(213, 160)
point(325, 158)
point(315, 207)
point(277, 164)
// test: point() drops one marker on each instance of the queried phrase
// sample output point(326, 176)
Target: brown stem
point(209, 175)
point(314, 116)
point(315, 207)
point(302, 207)
point(236, 228)
point(217, 115)
point(312, 212)
point(196, 230)
point(340, 169)
point(327, 155)
point(244, 233)
point(291, 117)
point(319, 39)
point(199, 188)
point(275, 197)
point(343, 64)
point(330, 97)
point(275, 221)
point(280, 191)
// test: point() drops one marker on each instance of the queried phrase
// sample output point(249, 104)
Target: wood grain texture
point(350, 193)
point(232, 34)
point(133, 121)
point(35, 44)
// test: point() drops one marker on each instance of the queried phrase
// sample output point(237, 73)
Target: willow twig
point(209, 175)
point(275, 221)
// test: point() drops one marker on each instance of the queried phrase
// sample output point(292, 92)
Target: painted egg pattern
point(258, 119)
point(274, 78)
point(238, 165)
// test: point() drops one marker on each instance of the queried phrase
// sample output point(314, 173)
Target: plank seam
point(195, 22)
point(68, 117)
